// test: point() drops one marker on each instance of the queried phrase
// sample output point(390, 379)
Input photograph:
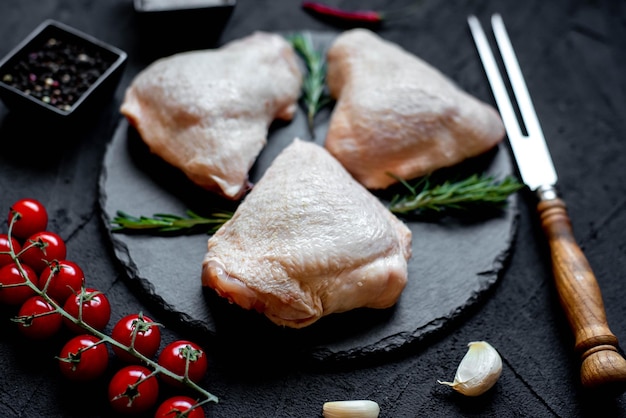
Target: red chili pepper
point(366, 17)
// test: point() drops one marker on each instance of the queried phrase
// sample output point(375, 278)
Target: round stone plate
point(455, 260)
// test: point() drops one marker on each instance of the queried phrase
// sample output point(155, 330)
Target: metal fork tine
point(516, 78)
point(495, 79)
point(531, 152)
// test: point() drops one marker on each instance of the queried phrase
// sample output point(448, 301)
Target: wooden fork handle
point(581, 299)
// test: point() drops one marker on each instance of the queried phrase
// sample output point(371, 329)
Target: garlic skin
point(478, 371)
point(351, 409)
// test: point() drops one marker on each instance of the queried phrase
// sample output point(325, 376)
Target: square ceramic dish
point(57, 72)
point(154, 6)
point(170, 26)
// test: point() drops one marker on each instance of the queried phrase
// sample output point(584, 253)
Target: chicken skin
point(208, 112)
point(308, 241)
point(396, 114)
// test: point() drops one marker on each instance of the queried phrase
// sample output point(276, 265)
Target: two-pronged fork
point(579, 293)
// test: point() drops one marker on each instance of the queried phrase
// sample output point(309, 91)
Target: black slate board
point(455, 261)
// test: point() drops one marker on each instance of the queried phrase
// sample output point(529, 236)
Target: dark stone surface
point(572, 56)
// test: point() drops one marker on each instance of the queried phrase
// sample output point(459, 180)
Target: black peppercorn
point(41, 71)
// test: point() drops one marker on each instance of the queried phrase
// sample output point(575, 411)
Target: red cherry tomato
point(64, 279)
point(5, 249)
point(11, 275)
point(83, 358)
point(175, 406)
point(175, 356)
point(38, 320)
point(32, 217)
point(147, 340)
point(125, 397)
point(43, 248)
point(96, 310)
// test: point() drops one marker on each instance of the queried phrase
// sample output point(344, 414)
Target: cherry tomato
point(38, 320)
point(64, 279)
point(32, 217)
point(83, 358)
point(174, 358)
point(147, 340)
point(11, 275)
point(43, 248)
point(5, 248)
point(96, 310)
point(175, 406)
point(126, 398)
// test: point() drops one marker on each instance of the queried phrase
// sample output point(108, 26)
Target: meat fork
point(579, 293)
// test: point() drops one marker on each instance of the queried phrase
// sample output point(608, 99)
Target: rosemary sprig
point(168, 223)
point(314, 93)
point(474, 192)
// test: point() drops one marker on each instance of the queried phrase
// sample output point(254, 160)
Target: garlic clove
point(351, 409)
point(478, 371)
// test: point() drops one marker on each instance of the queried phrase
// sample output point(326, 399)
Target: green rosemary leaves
point(472, 193)
point(167, 223)
point(314, 94)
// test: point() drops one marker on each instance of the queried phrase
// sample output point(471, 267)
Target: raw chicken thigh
point(307, 241)
point(208, 112)
point(397, 114)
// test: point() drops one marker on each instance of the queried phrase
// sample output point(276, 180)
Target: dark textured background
point(572, 54)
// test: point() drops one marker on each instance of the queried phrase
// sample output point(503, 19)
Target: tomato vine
point(50, 291)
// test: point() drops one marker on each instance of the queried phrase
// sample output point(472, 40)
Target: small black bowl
point(170, 26)
point(59, 73)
